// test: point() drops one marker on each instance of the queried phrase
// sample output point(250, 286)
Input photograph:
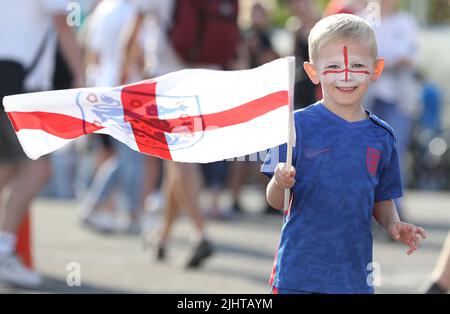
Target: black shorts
point(10, 149)
point(12, 76)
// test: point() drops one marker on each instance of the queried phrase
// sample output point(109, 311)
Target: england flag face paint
point(345, 71)
point(342, 72)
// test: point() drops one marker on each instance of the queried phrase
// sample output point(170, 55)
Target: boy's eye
point(333, 66)
point(358, 66)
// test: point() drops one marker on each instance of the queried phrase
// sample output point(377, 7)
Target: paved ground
point(120, 264)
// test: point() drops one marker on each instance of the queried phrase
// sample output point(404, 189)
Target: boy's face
point(345, 71)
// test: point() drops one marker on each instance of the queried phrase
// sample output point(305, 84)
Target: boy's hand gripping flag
point(191, 115)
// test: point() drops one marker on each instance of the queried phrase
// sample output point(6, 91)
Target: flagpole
point(291, 128)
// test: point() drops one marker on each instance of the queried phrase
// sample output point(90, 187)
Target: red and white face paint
point(345, 69)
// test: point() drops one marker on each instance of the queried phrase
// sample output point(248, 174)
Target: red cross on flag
point(192, 115)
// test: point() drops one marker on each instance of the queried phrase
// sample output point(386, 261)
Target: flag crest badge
point(372, 160)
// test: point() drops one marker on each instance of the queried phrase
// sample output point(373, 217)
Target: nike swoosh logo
point(313, 152)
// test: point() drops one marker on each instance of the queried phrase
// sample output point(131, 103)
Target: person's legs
point(171, 206)
point(84, 170)
point(102, 179)
point(63, 164)
point(29, 180)
point(188, 185)
point(188, 188)
point(441, 273)
point(8, 241)
point(182, 188)
point(23, 179)
point(131, 173)
point(11, 153)
point(98, 206)
point(238, 175)
point(102, 186)
point(153, 169)
point(6, 172)
point(215, 175)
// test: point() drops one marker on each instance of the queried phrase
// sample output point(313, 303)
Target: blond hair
point(339, 27)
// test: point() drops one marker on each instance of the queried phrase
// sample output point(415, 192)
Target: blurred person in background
point(395, 96)
point(305, 92)
point(93, 150)
point(258, 51)
point(215, 176)
point(27, 33)
point(429, 141)
point(64, 161)
point(431, 98)
point(185, 34)
point(343, 6)
point(124, 170)
point(257, 37)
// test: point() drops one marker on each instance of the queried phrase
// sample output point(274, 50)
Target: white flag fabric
point(192, 115)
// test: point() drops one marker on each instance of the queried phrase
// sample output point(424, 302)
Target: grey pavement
point(242, 263)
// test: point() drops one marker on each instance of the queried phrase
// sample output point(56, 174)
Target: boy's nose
point(347, 76)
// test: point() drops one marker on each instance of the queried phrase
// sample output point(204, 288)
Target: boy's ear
point(378, 69)
point(311, 71)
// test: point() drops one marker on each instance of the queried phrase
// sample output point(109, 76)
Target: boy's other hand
point(284, 177)
point(408, 234)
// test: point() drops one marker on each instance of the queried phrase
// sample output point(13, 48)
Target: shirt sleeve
point(390, 184)
point(274, 157)
point(278, 154)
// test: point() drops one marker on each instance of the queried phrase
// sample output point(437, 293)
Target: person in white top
point(181, 180)
point(397, 36)
point(155, 18)
point(109, 20)
point(25, 27)
point(123, 170)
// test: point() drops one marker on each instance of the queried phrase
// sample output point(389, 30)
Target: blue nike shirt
point(342, 169)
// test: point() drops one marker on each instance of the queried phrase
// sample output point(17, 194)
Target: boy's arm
point(282, 179)
point(275, 195)
point(386, 215)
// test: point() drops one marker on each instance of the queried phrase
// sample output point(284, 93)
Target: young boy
point(345, 170)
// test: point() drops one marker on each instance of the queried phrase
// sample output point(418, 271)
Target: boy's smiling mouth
point(347, 90)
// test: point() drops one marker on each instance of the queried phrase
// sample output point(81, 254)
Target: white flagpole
point(291, 129)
